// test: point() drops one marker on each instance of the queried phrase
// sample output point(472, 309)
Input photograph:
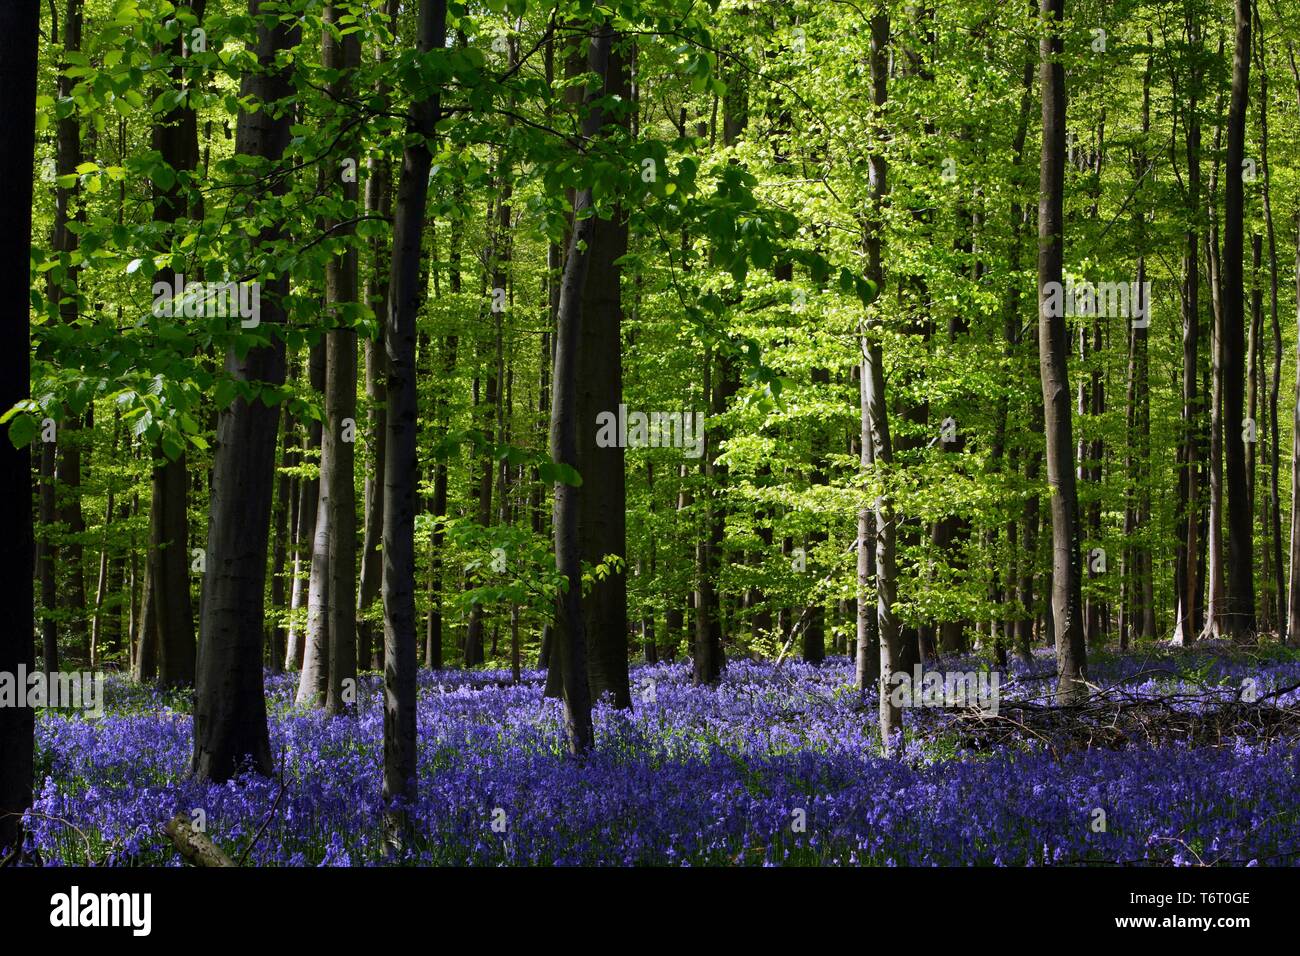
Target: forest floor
point(1183, 757)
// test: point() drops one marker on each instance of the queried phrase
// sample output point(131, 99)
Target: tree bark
point(1274, 528)
point(230, 707)
point(1240, 609)
point(1293, 585)
point(1071, 655)
point(570, 637)
point(19, 31)
point(176, 138)
point(377, 203)
point(603, 520)
point(1186, 626)
point(329, 666)
point(400, 464)
point(65, 291)
point(308, 509)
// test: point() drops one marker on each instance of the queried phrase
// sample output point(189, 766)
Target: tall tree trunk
point(1217, 598)
point(1071, 655)
point(308, 509)
point(46, 558)
point(1274, 528)
point(438, 505)
point(19, 30)
point(1240, 611)
point(230, 707)
point(1186, 625)
point(1019, 574)
point(1293, 584)
point(603, 521)
point(65, 291)
point(169, 558)
point(400, 465)
point(378, 203)
point(176, 138)
point(1136, 611)
point(281, 528)
point(707, 657)
point(145, 665)
point(877, 416)
point(875, 652)
point(329, 667)
point(314, 678)
point(570, 636)
point(338, 452)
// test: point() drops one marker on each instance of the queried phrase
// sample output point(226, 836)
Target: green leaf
point(23, 429)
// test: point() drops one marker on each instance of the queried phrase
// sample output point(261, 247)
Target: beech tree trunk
point(377, 203)
point(875, 406)
point(308, 508)
point(874, 658)
point(230, 706)
point(330, 660)
point(400, 466)
point(176, 138)
point(46, 558)
point(1186, 625)
point(1273, 528)
point(65, 290)
point(707, 656)
point(569, 636)
point(1240, 607)
point(1053, 352)
point(603, 521)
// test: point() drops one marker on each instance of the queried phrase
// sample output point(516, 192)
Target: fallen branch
point(193, 846)
point(274, 806)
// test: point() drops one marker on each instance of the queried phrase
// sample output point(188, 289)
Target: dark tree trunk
point(144, 666)
point(438, 507)
point(708, 661)
point(1137, 614)
point(647, 563)
point(570, 638)
point(46, 558)
point(19, 28)
point(281, 526)
point(377, 203)
point(230, 707)
point(1067, 613)
point(65, 291)
point(874, 655)
point(603, 521)
point(876, 415)
point(169, 560)
point(1274, 527)
point(400, 464)
point(176, 138)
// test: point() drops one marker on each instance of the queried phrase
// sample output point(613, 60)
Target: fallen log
point(195, 848)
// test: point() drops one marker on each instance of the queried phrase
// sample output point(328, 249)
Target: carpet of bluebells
point(778, 765)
